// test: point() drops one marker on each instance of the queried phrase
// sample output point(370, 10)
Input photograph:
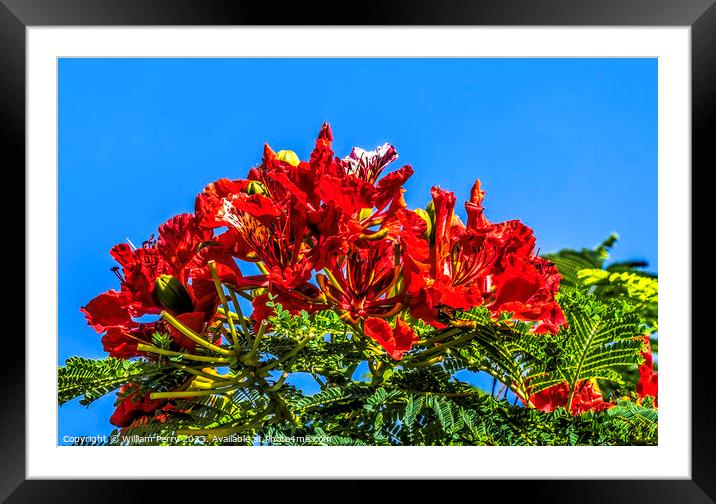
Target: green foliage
point(640, 289)
point(628, 281)
point(586, 270)
point(570, 262)
point(602, 337)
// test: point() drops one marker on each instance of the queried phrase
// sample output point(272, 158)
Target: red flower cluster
point(586, 398)
point(480, 263)
point(375, 260)
point(342, 221)
point(169, 274)
point(328, 233)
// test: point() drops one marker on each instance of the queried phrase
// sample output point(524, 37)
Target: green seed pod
point(428, 220)
point(172, 294)
point(256, 187)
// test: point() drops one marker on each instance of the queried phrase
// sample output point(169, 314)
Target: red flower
point(133, 406)
point(140, 268)
point(280, 245)
point(481, 263)
point(330, 236)
point(350, 183)
point(368, 165)
point(284, 179)
point(361, 283)
point(179, 241)
point(169, 262)
point(122, 343)
point(170, 274)
point(344, 221)
point(395, 341)
point(526, 287)
point(193, 321)
point(271, 225)
point(296, 217)
point(648, 384)
point(459, 265)
point(353, 185)
point(586, 398)
point(109, 309)
point(208, 202)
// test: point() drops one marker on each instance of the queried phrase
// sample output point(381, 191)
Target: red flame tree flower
point(325, 234)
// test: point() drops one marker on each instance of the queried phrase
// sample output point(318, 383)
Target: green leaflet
point(92, 379)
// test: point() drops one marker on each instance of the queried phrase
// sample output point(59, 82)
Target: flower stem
point(235, 316)
point(192, 335)
point(222, 298)
point(216, 386)
point(169, 353)
point(242, 294)
point(192, 393)
point(257, 339)
point(417, 358)
point(428, 362)
point(278, 384)
point(197, 372)
point(241, 317)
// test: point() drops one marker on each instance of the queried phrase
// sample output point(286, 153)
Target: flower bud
point(428, 220)
point(256, 187)
point(172, 294)
point(288, 156)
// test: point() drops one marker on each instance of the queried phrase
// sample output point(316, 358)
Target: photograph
point(357, 251)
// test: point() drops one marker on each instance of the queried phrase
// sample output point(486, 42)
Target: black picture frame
point(700, 15)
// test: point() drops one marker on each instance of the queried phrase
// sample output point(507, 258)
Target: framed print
point(425, 245)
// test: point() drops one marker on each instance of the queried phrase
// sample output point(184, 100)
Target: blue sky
point(569, 146)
